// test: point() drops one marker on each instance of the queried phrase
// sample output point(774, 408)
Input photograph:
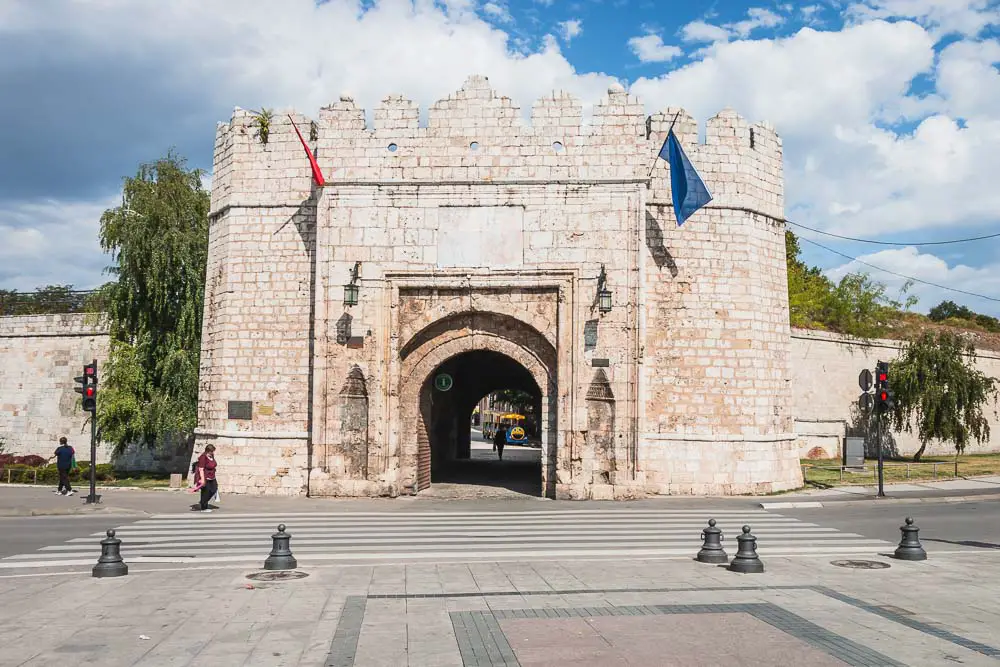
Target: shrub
point(50, 474)
point(32, 460)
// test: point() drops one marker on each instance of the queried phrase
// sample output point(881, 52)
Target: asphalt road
point(26, 534)
point(943, 525)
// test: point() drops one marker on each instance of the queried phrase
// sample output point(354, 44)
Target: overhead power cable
point(900, 275)
point(900, 243)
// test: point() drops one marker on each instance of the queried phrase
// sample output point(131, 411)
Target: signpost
point(443, 382)
point(866, 404)
point(865, 380)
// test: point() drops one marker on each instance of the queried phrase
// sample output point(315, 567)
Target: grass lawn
point(827, 471)
point(140, 482)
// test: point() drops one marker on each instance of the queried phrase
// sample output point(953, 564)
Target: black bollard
point(746, 560)
point(281, 557)
point(909, 547)
point(711, 550)
point(110, 564)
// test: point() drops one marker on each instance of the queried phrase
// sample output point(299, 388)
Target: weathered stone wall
point(694, 352)
point(716, 398)
point(39, 357)
point(825, 392)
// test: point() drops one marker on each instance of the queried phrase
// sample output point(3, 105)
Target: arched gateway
point(479, 352)
point(545, 258)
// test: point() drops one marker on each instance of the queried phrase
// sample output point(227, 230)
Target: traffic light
point(88, 387)
point(883, 394)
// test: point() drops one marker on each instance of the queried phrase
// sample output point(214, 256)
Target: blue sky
point(889, 109)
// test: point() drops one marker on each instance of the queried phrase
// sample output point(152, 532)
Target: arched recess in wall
point(353, 399)
point(601, 427)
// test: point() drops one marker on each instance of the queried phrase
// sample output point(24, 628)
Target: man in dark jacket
point(499, 440)
point(64, 463)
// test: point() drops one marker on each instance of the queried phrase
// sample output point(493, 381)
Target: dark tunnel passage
point(458, 454)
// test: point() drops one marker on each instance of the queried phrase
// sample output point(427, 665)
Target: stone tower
point(476, 246)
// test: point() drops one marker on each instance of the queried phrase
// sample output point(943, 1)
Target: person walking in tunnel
point(499, 440)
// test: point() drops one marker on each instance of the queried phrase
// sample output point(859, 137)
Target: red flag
point(317, 174)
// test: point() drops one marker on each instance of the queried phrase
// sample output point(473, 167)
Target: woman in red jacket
point(206, 476)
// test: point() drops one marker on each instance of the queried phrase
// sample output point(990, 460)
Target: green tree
point(158, 239)
point(809, 290)
point(43, 301)
point(857, 305)
point(515, 397)
point(940, 392)
point(948, 309)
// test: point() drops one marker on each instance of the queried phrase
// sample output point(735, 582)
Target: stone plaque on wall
point(475, 236)
point(240, 410)
point(590, 334)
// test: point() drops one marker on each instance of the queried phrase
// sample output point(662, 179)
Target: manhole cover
point(281, 575)
point(860, 564)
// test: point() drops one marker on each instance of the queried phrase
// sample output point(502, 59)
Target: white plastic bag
point(215, 498)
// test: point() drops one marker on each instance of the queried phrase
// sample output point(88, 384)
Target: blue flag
point(689, 192)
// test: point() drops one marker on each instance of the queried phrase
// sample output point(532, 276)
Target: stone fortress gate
point(475, 246)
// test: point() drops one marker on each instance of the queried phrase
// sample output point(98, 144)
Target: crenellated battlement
point(475, 135)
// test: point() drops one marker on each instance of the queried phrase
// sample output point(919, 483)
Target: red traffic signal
point(88, 386)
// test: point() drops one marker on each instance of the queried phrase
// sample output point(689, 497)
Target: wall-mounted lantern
point(351, 289)
point(603, 293)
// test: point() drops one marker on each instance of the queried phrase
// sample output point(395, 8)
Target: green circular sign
point(443, 382)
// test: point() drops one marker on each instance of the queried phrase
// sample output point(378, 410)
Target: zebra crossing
point(438, 536)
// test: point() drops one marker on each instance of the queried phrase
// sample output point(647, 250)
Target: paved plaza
point(449, 583)
point(801, 611)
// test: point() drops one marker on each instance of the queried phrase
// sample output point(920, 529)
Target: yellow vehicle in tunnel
point(513, 424)
point(510, 422)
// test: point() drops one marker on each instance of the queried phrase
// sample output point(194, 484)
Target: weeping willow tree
point(940, 392)
point(158, 240)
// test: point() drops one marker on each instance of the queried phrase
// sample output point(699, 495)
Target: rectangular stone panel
point(480, 236)
point(240, 410)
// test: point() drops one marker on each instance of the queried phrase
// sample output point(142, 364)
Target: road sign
point(865, 380)
point(866, 403)
point(443, 382)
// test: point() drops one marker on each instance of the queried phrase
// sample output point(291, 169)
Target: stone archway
point(450, 338)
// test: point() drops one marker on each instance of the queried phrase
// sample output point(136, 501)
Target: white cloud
point(757, 18)
point(248, 53)
point(570, 29)
point(942, 17)
point(968, 81)
point(700, 31)
point(52, 242)
point(824, 91)
point(911, 262)
point(809, 12)
point(805, 84)
point(651, 49)
point(498, 12)
point(830, 94)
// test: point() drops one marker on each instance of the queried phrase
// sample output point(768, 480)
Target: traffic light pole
point(879, 429)
point(93, 497)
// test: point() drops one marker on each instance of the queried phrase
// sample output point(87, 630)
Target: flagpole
point(669, 130)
